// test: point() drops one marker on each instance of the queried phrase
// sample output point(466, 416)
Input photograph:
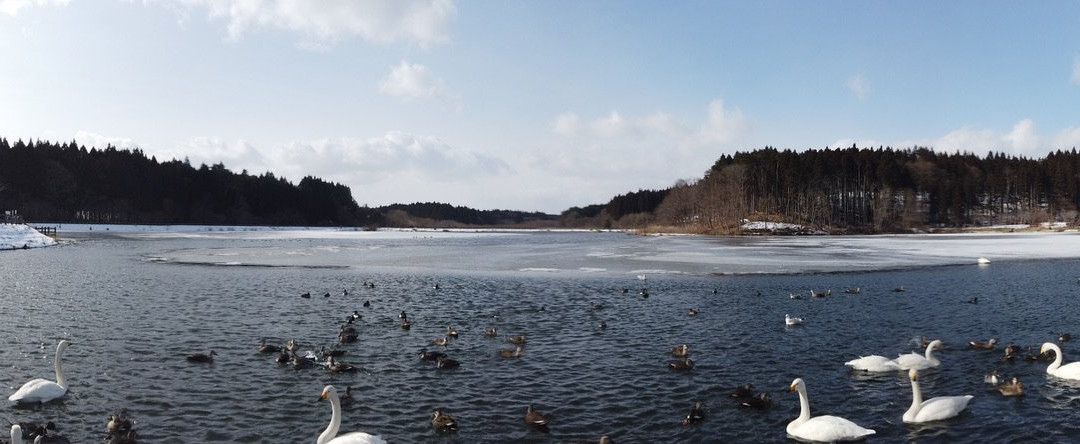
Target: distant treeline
point(855, 190)
point(47, 181)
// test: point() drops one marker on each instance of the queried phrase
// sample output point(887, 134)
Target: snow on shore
point(18, 236)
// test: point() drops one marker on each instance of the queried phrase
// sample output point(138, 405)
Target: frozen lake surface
point(136, 302)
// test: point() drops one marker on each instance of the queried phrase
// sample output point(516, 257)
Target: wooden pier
point(48, 231)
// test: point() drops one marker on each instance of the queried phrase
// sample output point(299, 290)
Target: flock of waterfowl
point(825, 428)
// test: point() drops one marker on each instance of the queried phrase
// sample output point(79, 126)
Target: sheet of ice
point(17, 236)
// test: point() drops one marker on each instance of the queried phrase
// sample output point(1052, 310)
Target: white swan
point(16, 434)
point(919, 362)
point(328, 435)
point(792, 320)
point(873, 363)
point(1067, 371)
point(44, 390)
point(824, 428)
point(933, 409)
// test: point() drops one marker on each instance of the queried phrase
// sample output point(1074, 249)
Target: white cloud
point(413, 81)
point(723, 125)
point(651, 150)
point(567, 124)
point(12, 7)
point(95, 140)
point(859, 85)
point(1068, 138)
point(346, 160)
point(610, 126)
point(324, 22)
point(1023, 138)
point(1076, 71)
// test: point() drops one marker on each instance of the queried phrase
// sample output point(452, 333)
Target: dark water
point(134, 312)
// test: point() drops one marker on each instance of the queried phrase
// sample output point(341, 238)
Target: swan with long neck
point(1067, 371)
point(16, 434)
point(917, 361)
point(933, 409)
point(44, 390)
point(330, 436)
point(825, 428)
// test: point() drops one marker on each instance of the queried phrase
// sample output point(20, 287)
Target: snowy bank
point(18, 236)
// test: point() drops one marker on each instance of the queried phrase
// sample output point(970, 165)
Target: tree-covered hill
point(68, 183)
point(860, 190)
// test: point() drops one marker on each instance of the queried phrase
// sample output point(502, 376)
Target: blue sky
point(533, 105)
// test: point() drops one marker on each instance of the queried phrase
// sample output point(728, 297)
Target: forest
point(851, 190)
point(46, 181)
point(858, 190)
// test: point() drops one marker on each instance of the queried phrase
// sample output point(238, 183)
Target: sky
point(533, 105)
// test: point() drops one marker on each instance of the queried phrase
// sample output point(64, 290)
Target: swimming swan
point(918, 362)
point(824, 428)
point(1067, 371)
point(873, 363)
point(328, 435)
point(43, 390)
point(933, 409)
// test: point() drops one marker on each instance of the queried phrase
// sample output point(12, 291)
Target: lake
point(134, 304)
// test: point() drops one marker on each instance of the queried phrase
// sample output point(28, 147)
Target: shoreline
point(22, 237)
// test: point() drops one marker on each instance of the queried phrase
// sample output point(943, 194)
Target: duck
point(511, 352)
point(761, 402)
point(691, 311)
point(199, 357)
point(306, 295)
point(1064, 337)
point(602, 325)
point(792, 320)
point(43, 390)
point(920, 362)
point(992, 377)
point(933, 409)
point(355, 315)
point(681, 364)
point(267, 348)
point(743, 391)
point(330, 434)
point(825, 428)
point(644, 293)
point(326, 295)
point(491, 332)
point(346, 337)
point(451, 332)
point(282, 357)
point(344, 291)
point(794, 296)
point(405, 325)
point(367, 304)
point(1067, 371)
point(983, 345)
point(519, 339)
point(347, 397)
point(853, 290)
point(333, 352)
point(118, 422)
point(403, 315)
point(974, 300)
point(1011, 352)
point(596, 306)
point(680, 350)
point(446, 363)
point(441, 342)
point(697, 413)
point(1012, 387)
point(443, 422)
point(432, 356)
point(299, 362)
point(899, 289)
point(339, 367)
point(606, 440)
point(534, 418)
